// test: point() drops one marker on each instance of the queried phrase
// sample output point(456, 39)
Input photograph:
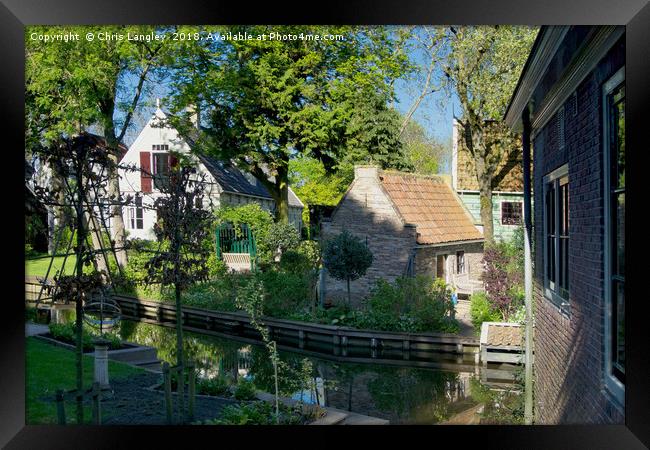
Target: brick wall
point(367, 212)
point(569, 350)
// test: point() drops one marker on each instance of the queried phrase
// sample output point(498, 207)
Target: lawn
point(37, 265)
point(49, 368)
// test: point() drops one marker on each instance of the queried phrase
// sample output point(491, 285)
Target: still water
point(402, 394)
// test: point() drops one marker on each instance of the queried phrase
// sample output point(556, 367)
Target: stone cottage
point(507, 193)
point(413, 224)
point(570, 107)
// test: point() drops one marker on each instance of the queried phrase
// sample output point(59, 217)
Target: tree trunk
point(117, 220)
point(95, 231)
point(282, 214)
point(485, 197)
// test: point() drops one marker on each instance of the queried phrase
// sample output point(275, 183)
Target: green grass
point(49, 368)
point(37, 266)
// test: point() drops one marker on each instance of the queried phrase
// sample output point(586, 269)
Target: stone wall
point(368, 213)
point(425, 263)
point(569, 349)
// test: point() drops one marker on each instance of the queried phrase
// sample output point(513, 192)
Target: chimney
point(194, 115)
point(366, 172)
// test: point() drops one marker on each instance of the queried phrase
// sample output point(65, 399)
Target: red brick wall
point(569, 363)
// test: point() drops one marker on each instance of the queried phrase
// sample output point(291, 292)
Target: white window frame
point(550, 292)
point(612, 384)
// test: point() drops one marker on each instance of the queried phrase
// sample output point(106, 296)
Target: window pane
point(550, 233)
point(617, 136)
point(618, 329)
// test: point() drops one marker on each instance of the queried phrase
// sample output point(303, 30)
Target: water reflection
point(409, 395)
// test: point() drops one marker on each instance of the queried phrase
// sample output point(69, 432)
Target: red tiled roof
point(500, 335)
point(429, 203)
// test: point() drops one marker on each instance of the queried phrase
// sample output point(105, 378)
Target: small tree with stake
point(182, 228)
point(346, 258)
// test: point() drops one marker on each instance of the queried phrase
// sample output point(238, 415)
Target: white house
point(226, 183)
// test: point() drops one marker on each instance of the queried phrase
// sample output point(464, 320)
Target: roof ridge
point(414, 175)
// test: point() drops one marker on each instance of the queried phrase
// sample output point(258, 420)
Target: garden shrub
point(282, 236)
point(346, 258)
point(415, 304)
point(218, 386)
point(283, 292)
point(481, 310)
point(503, 275)
point(245, 390)
point(261, 413)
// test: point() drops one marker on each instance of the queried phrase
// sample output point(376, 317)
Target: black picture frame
point(15, 14)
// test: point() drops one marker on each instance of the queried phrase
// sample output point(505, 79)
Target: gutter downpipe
point(528, 269)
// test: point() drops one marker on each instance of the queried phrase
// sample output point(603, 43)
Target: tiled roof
point(503, 335)
point(430, 203)
point(232, 180)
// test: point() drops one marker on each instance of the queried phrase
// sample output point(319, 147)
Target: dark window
point(556, 224)
point(511, 213)
point(460, 262)
point(139, 213)
point(135, 214)
point(616, 134)
point(160, 170)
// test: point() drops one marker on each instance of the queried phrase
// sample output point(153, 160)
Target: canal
point(404, 392)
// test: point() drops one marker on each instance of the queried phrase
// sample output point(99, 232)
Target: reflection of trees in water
point(212, 356)
point(401, 394)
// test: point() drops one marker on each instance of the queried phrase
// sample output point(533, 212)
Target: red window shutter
point(145, 171)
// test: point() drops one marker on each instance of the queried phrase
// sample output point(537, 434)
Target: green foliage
point(216, 267)
point(305, 259)
point(501, 407)
point(218, 386)
point(259, 220)
point(282, 236)
point(260, 413)
point(66, 332)
point(481, 310)
point(245, 390)
point(346, 258)
point(421, 152)
point(503, 277)
point(268, 101)
point(283, 292)
point(416, 303)
point(314, 185)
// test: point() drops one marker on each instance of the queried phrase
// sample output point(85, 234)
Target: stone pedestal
point(101, 364)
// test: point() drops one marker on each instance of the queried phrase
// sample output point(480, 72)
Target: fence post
point(60, 407)
point(97, 420)
point(168, 391)
point(191, 391)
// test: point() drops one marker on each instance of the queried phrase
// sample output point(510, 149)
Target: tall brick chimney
point(366, 172)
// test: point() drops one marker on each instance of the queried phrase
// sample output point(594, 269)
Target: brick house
point(413, 224)
point(507, 193)
point(152, 152)
point(570, 104)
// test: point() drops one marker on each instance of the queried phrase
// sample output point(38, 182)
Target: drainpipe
point(528, 270)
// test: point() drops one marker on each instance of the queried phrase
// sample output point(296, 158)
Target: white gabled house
point(226, 183)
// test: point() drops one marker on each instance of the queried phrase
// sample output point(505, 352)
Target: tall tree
point(483, 67)
point(425, 154)
point(267, 101)
point(74, 84)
